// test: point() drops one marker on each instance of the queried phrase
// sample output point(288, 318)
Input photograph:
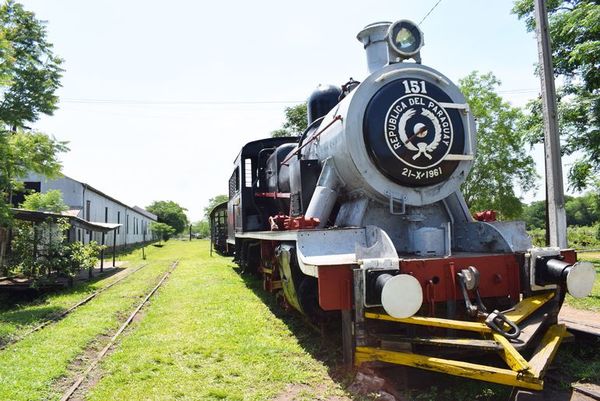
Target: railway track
point(63, 314)
point(69, 393)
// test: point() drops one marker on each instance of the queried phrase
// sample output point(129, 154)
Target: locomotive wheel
point(308, 295)
point(250, 258)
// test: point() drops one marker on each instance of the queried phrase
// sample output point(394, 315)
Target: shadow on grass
point(14, 313)
point(322, 343)
point(576, 363)
point(38, 296)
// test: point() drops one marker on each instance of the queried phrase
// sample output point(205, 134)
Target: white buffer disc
point(402, 296)
point(580, 279)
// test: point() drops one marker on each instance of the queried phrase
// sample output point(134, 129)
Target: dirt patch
point(303, 392)
point(82, 362)
point(579, 319)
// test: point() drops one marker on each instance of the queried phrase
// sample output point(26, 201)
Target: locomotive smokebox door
point(409, 134)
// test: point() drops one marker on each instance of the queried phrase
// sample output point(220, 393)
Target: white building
point(88, 203)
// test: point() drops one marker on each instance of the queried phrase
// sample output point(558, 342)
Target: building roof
point(105, 195)
point(40, 216)
point(146, 213)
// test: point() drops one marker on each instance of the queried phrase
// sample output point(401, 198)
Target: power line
point(432, 8)
point(176, 102)
point(223, 102)
point(518, 91)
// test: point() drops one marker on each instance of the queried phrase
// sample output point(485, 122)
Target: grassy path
point(207, 336)
point(16, 320)
point(30, 368)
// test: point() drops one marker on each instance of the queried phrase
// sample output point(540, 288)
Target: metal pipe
point(325, 194)
point(373, 38)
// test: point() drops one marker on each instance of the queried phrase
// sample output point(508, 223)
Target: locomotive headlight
point(405, 38)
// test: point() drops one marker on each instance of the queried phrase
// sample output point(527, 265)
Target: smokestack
point(373, 38)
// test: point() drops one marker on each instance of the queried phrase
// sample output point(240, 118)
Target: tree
point(50, 201)
point(170, 213)
point(574, 27)
point(502, 163)
point(581, 211)
point(29, 75)
point(41, 249)
point(202, 228)
point(212, 202)
point(534, 215)
point(295, 122)
point(22, 152)
point(162, 231)
point(30, 72)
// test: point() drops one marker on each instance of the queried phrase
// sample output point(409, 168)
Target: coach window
point(248, 173)
point(234, 183)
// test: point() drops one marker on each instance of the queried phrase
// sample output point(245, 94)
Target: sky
point(158, 97)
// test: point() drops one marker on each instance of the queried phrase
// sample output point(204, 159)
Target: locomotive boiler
point(362, 216)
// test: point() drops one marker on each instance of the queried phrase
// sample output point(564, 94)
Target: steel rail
point(580, 329)
point(595, 394)
point(61, 315)
point(67, 395)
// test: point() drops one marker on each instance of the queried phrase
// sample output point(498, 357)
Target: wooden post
point(102, 254)
point(555, 198)
point(3, 241)
point(347, 343)
point(34, 227)
point(114, 247)
point(91, 268)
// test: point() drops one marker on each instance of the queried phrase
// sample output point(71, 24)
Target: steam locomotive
point(362, 216)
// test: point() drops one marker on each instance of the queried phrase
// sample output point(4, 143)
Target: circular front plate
point(402, 296)
point(409, 131)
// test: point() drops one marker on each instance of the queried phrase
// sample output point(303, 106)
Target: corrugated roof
point(39, 216)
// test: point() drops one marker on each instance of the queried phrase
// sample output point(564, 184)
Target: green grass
point(30, 368)
point(16, 320)
point(578, 362)
point(207, 336)
point(591, 302)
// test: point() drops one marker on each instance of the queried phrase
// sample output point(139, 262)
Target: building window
point(127, 224)
point(88, 207)
point(118, 222)
point(79, 234)
point(106, 214)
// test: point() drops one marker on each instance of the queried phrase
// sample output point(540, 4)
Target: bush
point(38, 249)
point(585, 237)
point(81, 256)
point(41, 250)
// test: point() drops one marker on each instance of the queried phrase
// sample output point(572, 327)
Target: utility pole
point(556, 224)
